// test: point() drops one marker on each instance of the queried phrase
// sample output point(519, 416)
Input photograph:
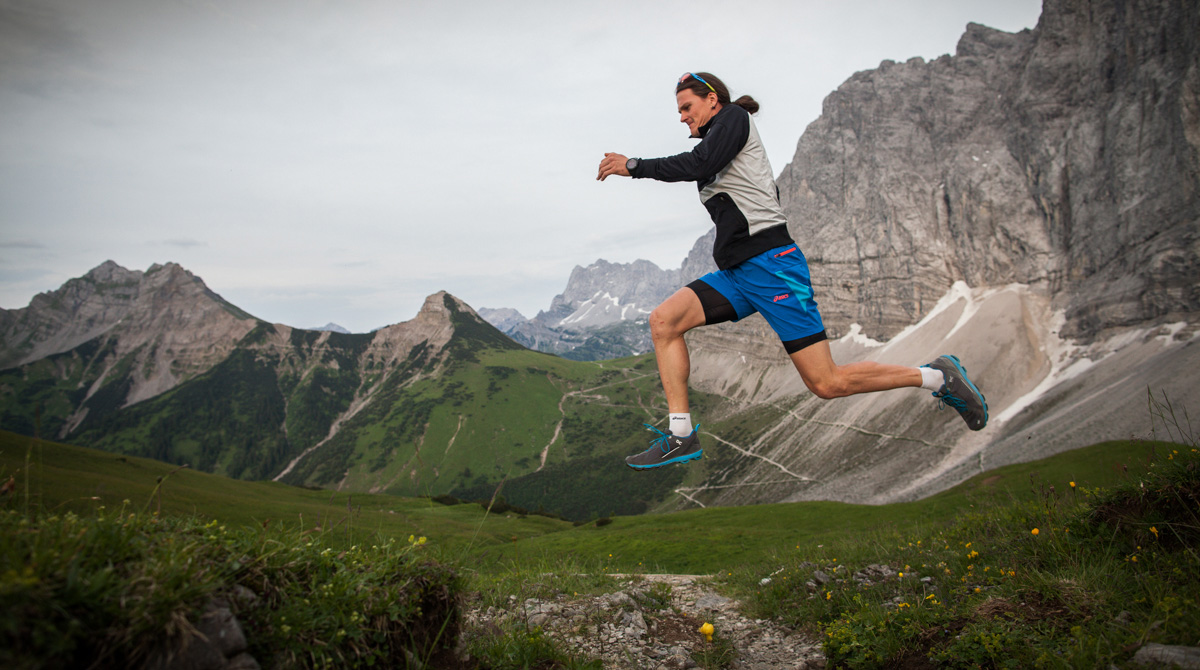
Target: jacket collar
point(704, 128)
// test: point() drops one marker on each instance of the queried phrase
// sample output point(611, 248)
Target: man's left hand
point(612, 164)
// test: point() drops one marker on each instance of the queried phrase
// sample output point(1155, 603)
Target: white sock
point(932, 379)
point(680, 424)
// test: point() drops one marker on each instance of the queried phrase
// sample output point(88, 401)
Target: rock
point(197, 655)
point(219, 645)
point(222, 629)
point(243, 662)
point(1187, 658)
point(874, 573)
point(243, 597)
point(821, 578)
point(621, 599)
point(711, 601)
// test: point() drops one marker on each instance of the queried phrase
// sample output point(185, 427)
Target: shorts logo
point(781, 297)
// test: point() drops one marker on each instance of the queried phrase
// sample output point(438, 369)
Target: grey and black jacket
point(731, 169)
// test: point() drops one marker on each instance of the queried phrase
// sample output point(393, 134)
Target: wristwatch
point(631, 164)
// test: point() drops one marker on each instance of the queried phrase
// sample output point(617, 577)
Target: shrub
point(115, 587)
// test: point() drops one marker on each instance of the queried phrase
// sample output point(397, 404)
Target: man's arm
point(720, 145)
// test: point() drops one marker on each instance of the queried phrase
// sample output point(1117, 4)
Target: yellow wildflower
point(1034, 531)
point(707, 631)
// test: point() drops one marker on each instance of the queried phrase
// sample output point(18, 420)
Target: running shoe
point(666, 449)
point(959, 393)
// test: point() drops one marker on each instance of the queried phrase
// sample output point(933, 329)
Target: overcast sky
point(321, 161)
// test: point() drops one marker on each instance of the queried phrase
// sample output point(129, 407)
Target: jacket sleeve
point(724, 139)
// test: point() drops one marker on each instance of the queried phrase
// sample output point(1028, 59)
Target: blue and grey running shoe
point(666, 449)
point(959, 393)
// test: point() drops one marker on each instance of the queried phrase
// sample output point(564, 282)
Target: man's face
point(694, 110)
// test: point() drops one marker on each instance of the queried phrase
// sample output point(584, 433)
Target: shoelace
point(663, 439)
point(952, 400)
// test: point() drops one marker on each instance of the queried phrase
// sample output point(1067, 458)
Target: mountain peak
point(109, 297)
point(110, 271)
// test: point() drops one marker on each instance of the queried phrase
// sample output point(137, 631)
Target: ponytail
point(747, 103)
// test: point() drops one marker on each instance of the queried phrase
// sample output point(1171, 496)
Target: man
point(760, 270)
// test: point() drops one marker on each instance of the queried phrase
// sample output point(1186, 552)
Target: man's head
point(699, 96)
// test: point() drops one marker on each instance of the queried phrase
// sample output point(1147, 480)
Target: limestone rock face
point(1066, 158)
point(60, 320)
point(607, 303)
point(503, 318)
point(164, 324)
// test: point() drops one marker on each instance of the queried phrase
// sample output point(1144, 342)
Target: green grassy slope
point(693, 541)
point(703, 541)
point(61, 477)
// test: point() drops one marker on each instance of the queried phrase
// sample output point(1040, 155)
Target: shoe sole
point(962, 372)
point(678, 459)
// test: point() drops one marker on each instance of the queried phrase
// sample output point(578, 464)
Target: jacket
point(736, 185)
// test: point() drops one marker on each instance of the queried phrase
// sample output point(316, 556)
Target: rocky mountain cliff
point(1066, 158)
point(1031, 203)
point(158, 364)
point(161, 326)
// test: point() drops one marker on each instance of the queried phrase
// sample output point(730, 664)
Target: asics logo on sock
point(782, 297)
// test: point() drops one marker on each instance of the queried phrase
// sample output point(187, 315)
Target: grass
point(1063, 576)
point(707, 541)
point(59, 478)
point(1072, 561)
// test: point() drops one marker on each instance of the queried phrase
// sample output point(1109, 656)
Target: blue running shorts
point(774, 283)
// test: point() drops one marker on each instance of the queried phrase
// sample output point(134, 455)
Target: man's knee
point(827, 388)
point(664, 324)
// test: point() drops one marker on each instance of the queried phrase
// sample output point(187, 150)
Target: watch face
point(631, 164)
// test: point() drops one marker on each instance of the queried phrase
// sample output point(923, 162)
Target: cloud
point(181, 243)
point(36, 41)
point(367, 153)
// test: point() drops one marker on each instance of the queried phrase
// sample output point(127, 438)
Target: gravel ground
point(636, 627)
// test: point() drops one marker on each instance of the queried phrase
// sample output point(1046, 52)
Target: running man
point(760, 270)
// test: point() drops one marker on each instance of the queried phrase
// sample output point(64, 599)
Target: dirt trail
point(633, 628)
